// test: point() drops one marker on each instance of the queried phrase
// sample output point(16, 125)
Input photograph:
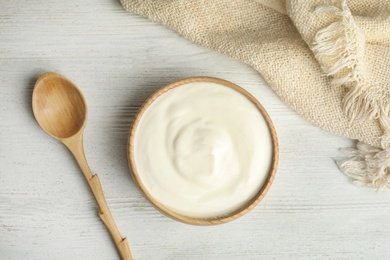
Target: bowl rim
point(187, 219)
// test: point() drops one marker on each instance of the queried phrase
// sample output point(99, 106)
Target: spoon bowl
point(59, 106)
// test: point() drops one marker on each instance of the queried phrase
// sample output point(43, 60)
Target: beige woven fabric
point(282, 40)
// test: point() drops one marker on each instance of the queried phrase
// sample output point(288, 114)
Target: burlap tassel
point(340, 49)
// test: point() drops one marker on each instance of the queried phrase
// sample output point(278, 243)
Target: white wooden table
point(118, 59)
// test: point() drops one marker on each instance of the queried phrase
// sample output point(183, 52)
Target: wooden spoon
point(61, 111)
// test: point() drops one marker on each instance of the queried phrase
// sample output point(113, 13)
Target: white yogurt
point(203, 150)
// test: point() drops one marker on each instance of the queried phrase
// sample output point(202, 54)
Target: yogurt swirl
point(202, 150)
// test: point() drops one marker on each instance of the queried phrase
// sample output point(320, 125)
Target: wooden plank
point(117, 59)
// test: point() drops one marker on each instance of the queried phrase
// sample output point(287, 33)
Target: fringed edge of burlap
point(341, 47)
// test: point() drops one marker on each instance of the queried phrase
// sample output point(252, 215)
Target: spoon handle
point(75, 145)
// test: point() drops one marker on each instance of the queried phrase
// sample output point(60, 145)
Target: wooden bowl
point(203, 221)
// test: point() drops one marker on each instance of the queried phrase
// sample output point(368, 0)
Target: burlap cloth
point(328, 60)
